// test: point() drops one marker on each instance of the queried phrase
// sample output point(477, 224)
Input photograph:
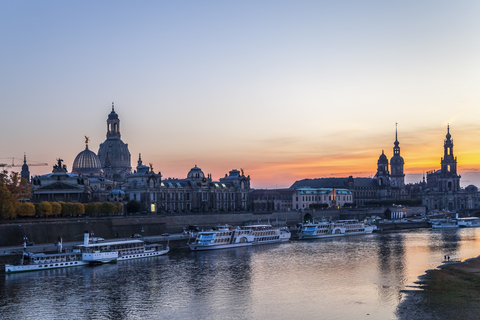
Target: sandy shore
point(450, 292)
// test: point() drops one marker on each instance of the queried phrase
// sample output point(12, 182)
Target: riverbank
point(450, 292)
point(71, 230)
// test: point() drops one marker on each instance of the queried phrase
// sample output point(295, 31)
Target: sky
point(285, 90)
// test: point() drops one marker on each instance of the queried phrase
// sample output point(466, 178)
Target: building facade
point(271, 199)
point(306, 197)
point(195, 193)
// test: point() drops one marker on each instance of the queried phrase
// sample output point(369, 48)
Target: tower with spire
point(450, 180)
point(397, 176)
point(443, 186)
point(25, 173)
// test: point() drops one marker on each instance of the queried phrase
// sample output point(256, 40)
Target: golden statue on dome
point(86, 141)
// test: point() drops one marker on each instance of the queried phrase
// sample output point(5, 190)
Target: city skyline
point(285, 91)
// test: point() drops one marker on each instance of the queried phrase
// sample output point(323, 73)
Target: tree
point(67, 209)
point(108, 208)
point(78, 208)
point(45, 208)
point(26, 210)
point(17, 185)
point(133, 206)
point(7, 203)
point(92, 208)
point(56, 208)
point(119, 207)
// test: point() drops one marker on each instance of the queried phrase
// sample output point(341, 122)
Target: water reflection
point(345, 278)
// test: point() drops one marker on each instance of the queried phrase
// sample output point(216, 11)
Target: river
point(358, 277)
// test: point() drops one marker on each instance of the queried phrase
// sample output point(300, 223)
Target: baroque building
point(108, 177)
point(60, 185)
point(442, 191)
point(113, 153)
point(195, 193)
point(384, 185)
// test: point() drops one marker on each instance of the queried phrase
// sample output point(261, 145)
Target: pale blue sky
point(259, 85)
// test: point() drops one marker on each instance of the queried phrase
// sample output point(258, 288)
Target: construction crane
point(6, 165)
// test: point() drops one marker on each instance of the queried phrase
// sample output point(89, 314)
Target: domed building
point(196, 174)
point(382, 175)
point(87, 163)
point(113, 153)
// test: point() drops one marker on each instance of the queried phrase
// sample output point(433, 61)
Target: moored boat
point(339, 228)
point(470, 222)
point(230, 237)
point(449, 224)
point(87, 254)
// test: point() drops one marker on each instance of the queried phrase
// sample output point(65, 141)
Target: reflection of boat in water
point(87, 254)
point(449, 224)
point(340, 228)
point(239, 237)
point(470, 222)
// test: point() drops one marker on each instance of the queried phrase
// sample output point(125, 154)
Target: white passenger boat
point(449, 224)
point(470, 222)
point(339, 228)
point(229, 237)
point(87, 254)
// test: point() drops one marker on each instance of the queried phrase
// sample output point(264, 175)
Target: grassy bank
point(451, 292)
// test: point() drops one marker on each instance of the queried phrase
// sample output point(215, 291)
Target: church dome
point(397, 159)
point(113, 115)
point(196, 172)
point(471, 188)
point(87, 163)
point(382, 159)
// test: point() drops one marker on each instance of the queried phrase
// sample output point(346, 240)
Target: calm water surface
point(350, 278)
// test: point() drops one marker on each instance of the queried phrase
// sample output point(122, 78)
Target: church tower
point(25, 173)
point(382, 175)
point(397, 177)
point(113, 153)
point(450, 181)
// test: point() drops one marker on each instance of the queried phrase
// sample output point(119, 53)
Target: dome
point(383, 158)
point(117, 192)
point(448, 136)
point(116, 151)
point(113, 115)
point(87, 163)
point(196, 172)
point(471, 188)
point(397, 159)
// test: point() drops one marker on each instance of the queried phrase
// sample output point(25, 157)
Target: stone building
point(195, 193)
point(385, 185)
point(442, 191)
point(113, 153)
point(271, 199)
point(364, 190)
point(108, 177)
point(304, 198)
point(60, 185)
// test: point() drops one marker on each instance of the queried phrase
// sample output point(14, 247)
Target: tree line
point(66, 209)
point(15, 190)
